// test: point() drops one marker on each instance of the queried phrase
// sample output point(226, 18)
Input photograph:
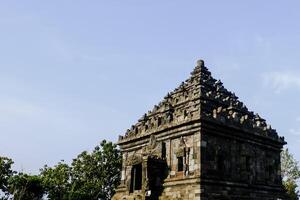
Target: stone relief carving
point(223, 106)
point(224, 159)
point(180, 152)
point(152, 149)
point(183, 104)
point(134, 159)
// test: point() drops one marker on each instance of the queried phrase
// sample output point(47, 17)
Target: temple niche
point(201, 142)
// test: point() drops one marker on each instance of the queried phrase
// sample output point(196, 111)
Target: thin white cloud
point(280, 81)
point(15, 108)
point(298, 119)
point(295, 131)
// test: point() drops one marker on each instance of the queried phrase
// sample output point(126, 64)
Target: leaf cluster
point(91, 175)
point(290, 172)
point(5, 173)
point(26, 187)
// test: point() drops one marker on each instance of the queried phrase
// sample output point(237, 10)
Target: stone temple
point(201, 142)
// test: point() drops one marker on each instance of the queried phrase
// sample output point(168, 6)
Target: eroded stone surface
point(201, 142)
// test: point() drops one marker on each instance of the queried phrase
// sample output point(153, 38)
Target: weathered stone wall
point(185, 189)
point(192, 155)
point(225, 150)
point(236, 165)
point(231, 191)
point(182, 140)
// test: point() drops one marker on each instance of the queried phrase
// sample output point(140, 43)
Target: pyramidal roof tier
point(200, 98)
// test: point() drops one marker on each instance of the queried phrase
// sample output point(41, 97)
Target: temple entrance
point(136, 178)
point(157, 171)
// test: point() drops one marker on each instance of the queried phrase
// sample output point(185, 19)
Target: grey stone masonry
point(201, 142)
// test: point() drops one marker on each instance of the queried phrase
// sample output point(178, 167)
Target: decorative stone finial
point(200, 63)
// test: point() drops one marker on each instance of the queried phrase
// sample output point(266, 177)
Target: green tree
point(26, 187)
point(290, 173)
point(95, 175)
point(92, 176)
point(5, 174)
point(291, 188)
point(56, 181)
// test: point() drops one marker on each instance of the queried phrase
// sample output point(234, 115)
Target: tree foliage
point(5, 173)
point(92, 176)
point(56, 181)
point(95, 175)
point(26, 187)
point(291, 188)
point(290, 173)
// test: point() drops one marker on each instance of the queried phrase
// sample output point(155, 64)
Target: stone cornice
point(200, 96)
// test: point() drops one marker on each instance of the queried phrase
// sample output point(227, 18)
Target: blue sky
point(75, 72)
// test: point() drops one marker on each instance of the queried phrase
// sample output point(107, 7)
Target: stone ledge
point(176, 131)
point(205, 182)
point(170, 182)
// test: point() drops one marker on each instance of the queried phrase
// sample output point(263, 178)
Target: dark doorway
point(163, 151)
point(136, 178)
point(180, 164)
point(157, 171)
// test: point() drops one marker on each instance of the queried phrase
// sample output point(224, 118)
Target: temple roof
point(200, 97)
